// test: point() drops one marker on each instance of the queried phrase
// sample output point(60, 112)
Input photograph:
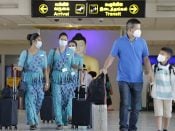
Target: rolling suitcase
point(99, 108)
point(9, 109)
point(46, 112)
point(81, 110)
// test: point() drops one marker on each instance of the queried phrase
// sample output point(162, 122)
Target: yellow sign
point(43, 8)
point(93, 9)
point(61, 9)
point(80, 8)
point(133, 9)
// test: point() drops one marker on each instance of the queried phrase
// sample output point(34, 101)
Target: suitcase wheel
point(43, 121)
point(47, 121)
point(6, 127)
point(76, 126)
point(10, 127)
point(89, 127)
point(72, 126)
point(16, 127)
point(0, 127)
point(51, 121)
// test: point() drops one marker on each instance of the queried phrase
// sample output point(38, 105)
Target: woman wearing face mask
point(163, 90)
point(78, 61)
point(60, 62)
point(33, 63)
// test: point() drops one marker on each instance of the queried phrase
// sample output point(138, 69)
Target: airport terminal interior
point(101, 27)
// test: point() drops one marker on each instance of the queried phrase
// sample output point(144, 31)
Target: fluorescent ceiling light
point(9, 5)
point(165, 7)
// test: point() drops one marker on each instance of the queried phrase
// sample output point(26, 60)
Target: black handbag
point(23, 84)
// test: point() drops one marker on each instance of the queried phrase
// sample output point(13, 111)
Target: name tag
point(72, 73)
point(67, 54)
point(64, 70)
point(42, 55)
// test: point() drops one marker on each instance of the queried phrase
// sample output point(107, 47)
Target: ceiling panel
point(26, 22)
point(165, 23)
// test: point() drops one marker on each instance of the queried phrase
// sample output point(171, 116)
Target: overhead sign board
point(104, 9)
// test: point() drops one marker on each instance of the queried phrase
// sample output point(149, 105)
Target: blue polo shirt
point(130, 56)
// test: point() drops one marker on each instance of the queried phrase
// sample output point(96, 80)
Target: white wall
point(23, 7)
point(16, 34)
point(159, 34)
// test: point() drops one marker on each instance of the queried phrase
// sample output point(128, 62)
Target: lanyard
point(63, 56)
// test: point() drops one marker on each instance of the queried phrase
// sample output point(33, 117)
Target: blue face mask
point(63, 42)
point(73, 48)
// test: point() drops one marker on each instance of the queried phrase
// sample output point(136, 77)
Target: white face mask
point(137, 33)
point(161, 58)
point(39, 44)
point(73, 48)
point(62, 42)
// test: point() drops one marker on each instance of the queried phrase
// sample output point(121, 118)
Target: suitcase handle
point(79, 83)
point(14, 85)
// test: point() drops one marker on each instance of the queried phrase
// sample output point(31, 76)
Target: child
point(163, 89)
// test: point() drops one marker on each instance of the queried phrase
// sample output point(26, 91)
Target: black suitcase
point(81, 92)
point(9, 113)
point(46, 112)
point(9, 109)
point(81, 113)
point(81, 109)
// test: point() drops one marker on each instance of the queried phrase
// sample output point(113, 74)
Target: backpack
point(97, 90)
point(171, 68)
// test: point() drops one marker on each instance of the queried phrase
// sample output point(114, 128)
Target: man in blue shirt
point(131, 52)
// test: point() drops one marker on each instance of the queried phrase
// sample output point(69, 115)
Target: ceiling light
point(10, 5)
point(165, 7)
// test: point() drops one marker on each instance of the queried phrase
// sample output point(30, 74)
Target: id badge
point(73, 73)
point(64, 69)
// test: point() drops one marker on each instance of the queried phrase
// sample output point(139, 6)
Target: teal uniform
point(61, 82)
point(33, 76)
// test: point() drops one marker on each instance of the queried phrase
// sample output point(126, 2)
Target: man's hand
point(17, 68)
point(150, 78)
point(103, 70)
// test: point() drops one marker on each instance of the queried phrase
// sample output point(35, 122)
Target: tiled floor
point(146, 123)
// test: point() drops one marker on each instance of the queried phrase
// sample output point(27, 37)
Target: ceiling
point(27, 22)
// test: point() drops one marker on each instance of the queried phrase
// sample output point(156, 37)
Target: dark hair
point(92, 73)
point(72, 41)
point(131, 22)
point(32, 37)
point(84, 67)
point(167, 50)
point(61, 34)
point(79, 36)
